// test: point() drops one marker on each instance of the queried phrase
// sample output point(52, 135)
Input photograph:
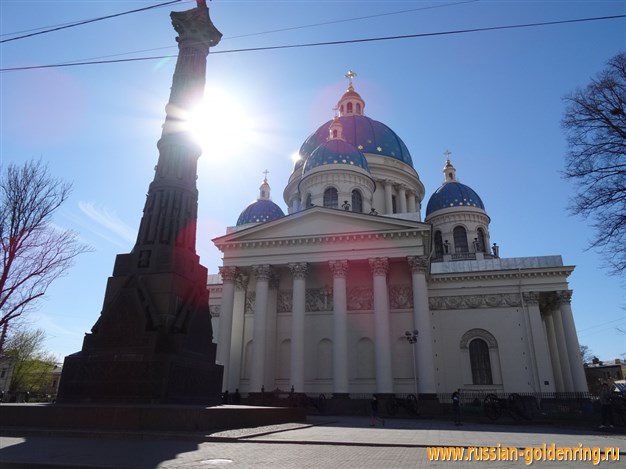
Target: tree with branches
point(33, 365)
point(595, 125)
point(34, 252)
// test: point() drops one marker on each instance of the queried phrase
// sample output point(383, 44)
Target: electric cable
point(93, 20)
point(329, 43)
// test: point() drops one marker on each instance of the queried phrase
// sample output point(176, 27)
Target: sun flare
point(220, 124)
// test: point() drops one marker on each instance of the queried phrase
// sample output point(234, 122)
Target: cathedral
point(353, 292)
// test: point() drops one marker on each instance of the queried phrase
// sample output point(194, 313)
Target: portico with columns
point(320, 300)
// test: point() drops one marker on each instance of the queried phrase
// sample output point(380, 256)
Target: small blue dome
point(367, 135)
point(259, 212)
point(335, 152)
point(453, 194)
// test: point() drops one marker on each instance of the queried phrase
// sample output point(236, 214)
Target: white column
point(296, 372)
point(384, 377)
point(229, 275)
point(339, 270)
point(568, 383)
point(388, 202)
point(424, 363)
point(237, 344)
point(539, 344)
point(554, 354)
point(571, 341)
point(412, 206)
point(270, 334)
point(262, 274)
point(402, 198)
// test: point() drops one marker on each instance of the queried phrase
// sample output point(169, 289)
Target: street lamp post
point(411, 337)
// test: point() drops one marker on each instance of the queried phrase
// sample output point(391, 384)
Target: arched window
point(460, 239)
point(358, 108)
point(334, 133)
point(308, 203)
point(357, 201)
point(438, 244)
point(341, 110)
point(331, 198)
point(480, 362)
point(481, 240)
point(349, 108)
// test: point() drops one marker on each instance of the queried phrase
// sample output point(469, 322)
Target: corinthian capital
point(565, 296)
point(262, 272)
point(379, 265)
point(339, 268)
point(418, 264)
point(531, 297)
point(299, 269)
point(229, 274)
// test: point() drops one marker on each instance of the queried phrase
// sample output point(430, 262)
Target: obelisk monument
point(153, 340)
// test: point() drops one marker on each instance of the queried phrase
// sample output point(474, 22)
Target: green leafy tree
point(595, 125)
point(33, 251)
point(33, 367)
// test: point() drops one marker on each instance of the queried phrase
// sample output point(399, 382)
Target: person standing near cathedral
point(374, 412)
point(456, 407)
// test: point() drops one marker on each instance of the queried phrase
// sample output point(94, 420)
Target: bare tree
point(34, 252)
point(586, 354)
point(595, 124)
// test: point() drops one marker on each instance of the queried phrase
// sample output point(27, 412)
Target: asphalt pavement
point(321, 442)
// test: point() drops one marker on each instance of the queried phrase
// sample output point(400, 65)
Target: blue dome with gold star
point(260, 211)
point(364, 133)
point(453, 194)
point(335, 152)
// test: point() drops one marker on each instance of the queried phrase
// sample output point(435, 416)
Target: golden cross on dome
point(447, 154)
point(266, 172)
point(350, 75)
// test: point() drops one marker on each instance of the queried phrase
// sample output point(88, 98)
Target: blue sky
point(494, 99)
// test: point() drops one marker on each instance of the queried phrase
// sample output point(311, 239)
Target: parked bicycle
point(393, 404)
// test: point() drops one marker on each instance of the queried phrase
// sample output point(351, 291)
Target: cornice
point(563, 271)
point(323, 239)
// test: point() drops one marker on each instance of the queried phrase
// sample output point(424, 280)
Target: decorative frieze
point(401, 297)
point(474, 301)
point(318, 299)
point(360, 298)
point(284, 301)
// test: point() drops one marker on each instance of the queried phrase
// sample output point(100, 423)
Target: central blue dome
point(367, 135)
point(453, 194)
point(335, 152)
point(260, 211)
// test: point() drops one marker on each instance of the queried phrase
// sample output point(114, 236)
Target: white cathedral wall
point(511, 366)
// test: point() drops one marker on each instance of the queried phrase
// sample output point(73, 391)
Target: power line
point(93, 20)
point(329, 43)
point(293, 28)
point(259, 33)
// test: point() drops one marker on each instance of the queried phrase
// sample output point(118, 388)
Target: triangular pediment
point(320, 221)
